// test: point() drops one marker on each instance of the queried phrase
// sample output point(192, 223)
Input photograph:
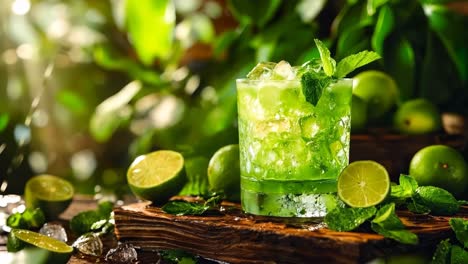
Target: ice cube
point(283, 71)
point(262, 71)
point(89, 244)
point(123, 253)
point(55, 231)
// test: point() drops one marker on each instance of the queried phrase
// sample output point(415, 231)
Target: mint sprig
point(314, 81)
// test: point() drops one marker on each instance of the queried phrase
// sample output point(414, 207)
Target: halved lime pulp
point(50, 193)
point(363, 183)
point(157, 176)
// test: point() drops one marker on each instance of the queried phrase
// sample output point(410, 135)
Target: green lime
point(440, 166)
point(358, 114)
point(157, 176)
point(378, 89)
point(224, 171)
point(50, 193)
point(58, 251)
point(363, 183)
point(417, 116)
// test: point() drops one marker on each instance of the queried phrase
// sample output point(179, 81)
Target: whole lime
point(417, 116)
point(224, 171)
point(441, 166)
point(378, 89)
point(358, 114)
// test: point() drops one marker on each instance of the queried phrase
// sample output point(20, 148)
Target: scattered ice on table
point(89, 244)
point(55, 231)
point(123, 253)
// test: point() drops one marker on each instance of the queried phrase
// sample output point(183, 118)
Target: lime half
point(363, 183)
point(50, 193)
point(157, 176)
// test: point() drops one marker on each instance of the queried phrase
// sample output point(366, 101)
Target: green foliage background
point(132, 76)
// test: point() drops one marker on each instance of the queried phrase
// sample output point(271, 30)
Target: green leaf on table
point(460, 227)
point(438, 200)
point(253, 12)
point(406, 189)
point(184, 208)
point(328, 63)
point(383, 27)
point(387, 223)
point(150, 25)
point(34, 218)
point(417, 208)
point(197, 179)
point(458, 255)
point(177, 256)
point(442, 252)
point(347, 219)
point(313, 85)
point(352, 62)
point(84, 221)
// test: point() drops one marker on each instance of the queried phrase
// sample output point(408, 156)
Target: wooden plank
point(235, 237)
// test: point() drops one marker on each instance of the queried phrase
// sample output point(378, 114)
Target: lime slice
point(224, 171)
point(45, 249)
point(42, 241)
point(157, 176)
point(363, 183)
point(50, 193)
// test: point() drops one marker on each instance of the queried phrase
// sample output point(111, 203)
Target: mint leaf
point(442, 253)
point(313, 85)
point(355, 61)
point(458, 255)
point(417, 208)
point(387, 223)
point(184, 208)
point(401, 235)
point(460, 227)
point(347, 219)
point(438, 200)
point(406, 189)
point(328, 63)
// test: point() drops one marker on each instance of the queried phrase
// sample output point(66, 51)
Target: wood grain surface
point(234, 237)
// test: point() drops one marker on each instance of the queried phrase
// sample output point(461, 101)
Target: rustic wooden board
point(235, 237)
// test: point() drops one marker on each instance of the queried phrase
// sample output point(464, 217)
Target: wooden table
point(240, 238)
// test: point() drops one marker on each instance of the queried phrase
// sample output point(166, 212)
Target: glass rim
point(282, 81)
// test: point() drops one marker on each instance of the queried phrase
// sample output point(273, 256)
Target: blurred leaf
point(439, 78)
point(400, 63)
point(309, 9)
point(373, 5)
point(350, 17)
point(72, 101)
point(112, 112)
point(150, 25)
point(4, 119)
point(253, 12)
point(383, 27)
point(438, 2)
point(107, 57)
point(224, 41)
point(354, 40)
point(448, 26)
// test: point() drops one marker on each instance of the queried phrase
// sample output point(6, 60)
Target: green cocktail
point(291, 151)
